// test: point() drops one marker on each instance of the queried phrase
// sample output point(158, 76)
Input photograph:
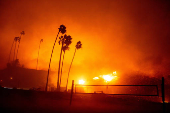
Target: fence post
point(72, 91)
point(163, 94)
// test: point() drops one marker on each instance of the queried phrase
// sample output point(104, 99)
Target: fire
point(108, 77)
point(81, 81)
point(95, 78)
point(114, 73)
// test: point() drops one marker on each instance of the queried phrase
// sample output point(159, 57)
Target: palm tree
point(78, 46)
point(65, 47)
point(62, 29)
point(38, 52)
point(15, 39)
point(65, 42)
point(11, 48)
point(19, 40)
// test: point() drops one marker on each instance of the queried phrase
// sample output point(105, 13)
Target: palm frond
point(41, 40)
point(78, 45)
point(23, 33)
point(62, 29)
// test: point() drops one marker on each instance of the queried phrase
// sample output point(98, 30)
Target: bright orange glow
point(81, 81)
point(107, 77)
point(114, 73)
point(116, 54)
point(95, 78)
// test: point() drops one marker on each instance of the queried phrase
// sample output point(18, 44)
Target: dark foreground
point(49, 102)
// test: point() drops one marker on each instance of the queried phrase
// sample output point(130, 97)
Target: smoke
point(116, 35)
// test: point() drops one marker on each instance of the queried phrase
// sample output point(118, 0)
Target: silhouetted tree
point(38, 52)
point(16, 63)
point(67, 42)
point(62, 29)
point(19, 40)
point(13, 64)
point(64, 49)
point(11, 49)
point(15, 39)
point(78, 46)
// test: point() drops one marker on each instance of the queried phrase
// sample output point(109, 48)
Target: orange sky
point(123, 36)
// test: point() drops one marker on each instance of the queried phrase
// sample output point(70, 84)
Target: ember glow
point(114, 73)
point(108, 77)
point(81, 81)
point(95, 78)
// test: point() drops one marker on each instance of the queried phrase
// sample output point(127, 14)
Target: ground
point(50, 102)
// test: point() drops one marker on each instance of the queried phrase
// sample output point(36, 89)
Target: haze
point(123, 36)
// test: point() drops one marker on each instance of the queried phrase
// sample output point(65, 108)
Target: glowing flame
point(114, 73)
point(81, 81)
point(11, 78)
point(107, 77)
point(95, 78)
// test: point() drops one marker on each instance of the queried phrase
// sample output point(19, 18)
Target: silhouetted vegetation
point(19, 40)
point(15, 61)
point(78, 46)
point(38, 52)
point(62, 30)
point(15, 39)
point(65, 42)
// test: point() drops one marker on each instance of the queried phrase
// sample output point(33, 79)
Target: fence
point(84, 89)
point(156, 86)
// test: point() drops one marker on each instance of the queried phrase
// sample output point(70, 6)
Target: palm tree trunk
point(10, 51)
point(18, 47)
point(38, 55)
point(62, 68)
point(14, 50)
point(70, 68)
point(58, 84)
point(50, 62)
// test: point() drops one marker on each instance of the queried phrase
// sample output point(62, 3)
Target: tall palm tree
point(78, 46)
point(19, 40)
point(15, 39)
point(38, 52)
point(65, 42)
point(62, 30)
point(62, 64)
point(11, 49)
point(65, 47)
